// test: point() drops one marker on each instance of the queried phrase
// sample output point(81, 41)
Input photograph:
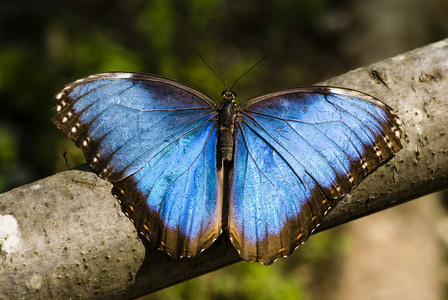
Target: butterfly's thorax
point(226, 116)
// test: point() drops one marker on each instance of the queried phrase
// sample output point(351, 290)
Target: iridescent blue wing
point(155, 140)
point(296, 152)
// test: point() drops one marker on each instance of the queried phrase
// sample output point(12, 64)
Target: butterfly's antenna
point(252, 67)
point(197, 53)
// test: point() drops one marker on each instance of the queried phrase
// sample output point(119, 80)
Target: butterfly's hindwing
point(155, 139)
point(296, 152)
point(174, 199)
point(267, 196)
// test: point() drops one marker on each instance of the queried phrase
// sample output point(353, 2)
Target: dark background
point(47, 44)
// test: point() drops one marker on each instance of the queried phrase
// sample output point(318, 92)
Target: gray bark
point(65, 236)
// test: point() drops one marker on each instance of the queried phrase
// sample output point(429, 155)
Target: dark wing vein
point(287, 162)
point(259, 169)
point(188, 169)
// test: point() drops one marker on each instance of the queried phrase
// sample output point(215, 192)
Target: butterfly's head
point(228, 95)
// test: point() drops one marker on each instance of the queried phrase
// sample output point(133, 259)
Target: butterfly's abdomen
point(226, 117)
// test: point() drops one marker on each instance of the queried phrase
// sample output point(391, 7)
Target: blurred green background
point(47, 44)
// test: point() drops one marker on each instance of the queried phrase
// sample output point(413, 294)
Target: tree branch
point(65, 236)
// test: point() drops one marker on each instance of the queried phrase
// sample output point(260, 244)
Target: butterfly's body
point(227, 113)
point(186, 168)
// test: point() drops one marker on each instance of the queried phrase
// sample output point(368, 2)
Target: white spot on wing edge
point(10, 237)
point(335, 90)
point(113, 75)
point(123, 75)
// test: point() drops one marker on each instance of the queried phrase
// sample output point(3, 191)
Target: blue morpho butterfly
point(186, 168)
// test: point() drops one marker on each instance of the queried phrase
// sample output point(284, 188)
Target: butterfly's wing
point(296, 151)
point(155, 140)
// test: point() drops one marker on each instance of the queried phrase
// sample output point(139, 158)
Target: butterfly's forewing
point(155, 140)
point(297, 151)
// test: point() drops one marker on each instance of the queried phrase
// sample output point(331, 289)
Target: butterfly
point(187, 169)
